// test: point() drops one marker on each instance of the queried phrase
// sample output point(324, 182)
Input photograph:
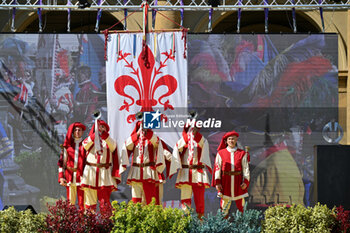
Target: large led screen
point(280, 92)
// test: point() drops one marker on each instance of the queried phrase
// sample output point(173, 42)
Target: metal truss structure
point(171, 5)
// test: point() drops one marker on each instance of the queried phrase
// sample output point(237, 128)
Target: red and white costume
point(101, 173)
point(71, 165)
point(146, 164)
point(231, 169)
point(191, 155)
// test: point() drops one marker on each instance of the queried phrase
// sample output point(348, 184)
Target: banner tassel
point(145, 7)
point(155, 46)
point(174, 43)
point(105, 32)
point(134, 47)
point(118, 44)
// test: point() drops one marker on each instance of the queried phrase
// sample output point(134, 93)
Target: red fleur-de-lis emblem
point(145, 79)
point(217, 167)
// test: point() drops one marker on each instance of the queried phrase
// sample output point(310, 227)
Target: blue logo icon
point(151, 120)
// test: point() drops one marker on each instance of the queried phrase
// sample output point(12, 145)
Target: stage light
point(214, 3)
point(83, 4)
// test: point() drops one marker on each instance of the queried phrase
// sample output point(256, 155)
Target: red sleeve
point(60, 160)
point(115, 168)
point(134, 138)
point(167, 164)
point(216, 168)
point(149, 135)
point(104, 135)
point(246, 182)
point(209, 169)
point(215, 182)
point(92, 137)
point(82, 155)
point(60, 175)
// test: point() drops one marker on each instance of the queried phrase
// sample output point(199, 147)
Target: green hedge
point(150, 218)
point(298, 218)
point(24, 221)
point(154, 218)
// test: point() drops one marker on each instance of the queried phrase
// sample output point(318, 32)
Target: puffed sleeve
point(217, 170)
point(205, 158)
point(245, 168)
point(61, 164)
point(123, 159)
point(175, 161)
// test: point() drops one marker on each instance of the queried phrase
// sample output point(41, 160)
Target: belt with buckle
point(194, 166)
point(72, 169)
point(99, 165)
point(232, 173)
point(144, 164)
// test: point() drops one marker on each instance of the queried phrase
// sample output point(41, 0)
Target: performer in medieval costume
point(147, 163)
point(71, 163)
point(231, 173)
point(101, 173)
point(191, 155)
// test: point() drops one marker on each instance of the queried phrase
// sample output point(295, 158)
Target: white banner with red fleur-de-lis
point(145, 77)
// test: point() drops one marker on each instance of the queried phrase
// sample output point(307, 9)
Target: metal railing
point(167, 5)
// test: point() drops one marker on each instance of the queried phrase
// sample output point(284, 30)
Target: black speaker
point(21, 208)
point(332, 175)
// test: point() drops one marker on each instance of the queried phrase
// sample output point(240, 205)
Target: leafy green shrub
point(22, 221)
point(150, 218)
point(298, 218)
